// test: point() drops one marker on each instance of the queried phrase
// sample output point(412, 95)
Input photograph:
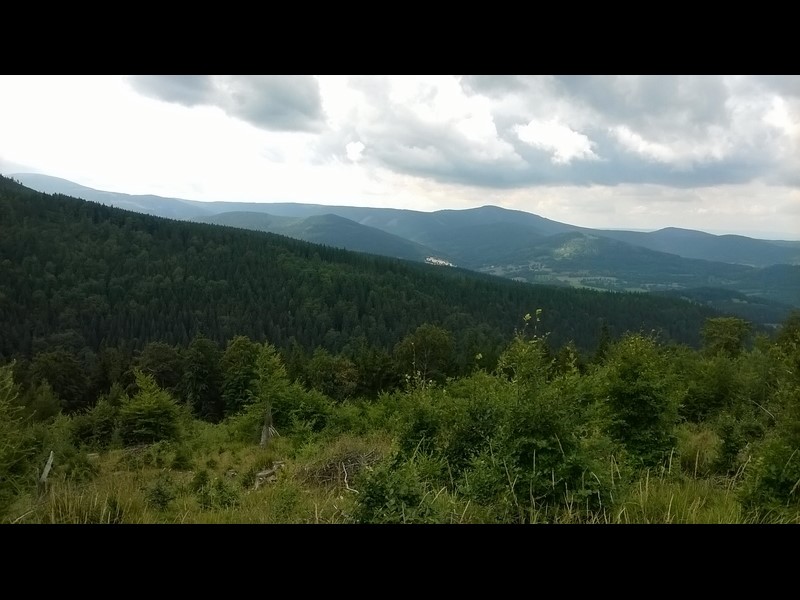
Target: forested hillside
point(157, 371)
point(642, 432)
point(77, 275)
point(514, 244)
point(329, 230)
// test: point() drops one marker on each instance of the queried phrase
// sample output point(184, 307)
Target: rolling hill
point(83, 276)
point(508, 243)
point(425, 228)
point(328, 229)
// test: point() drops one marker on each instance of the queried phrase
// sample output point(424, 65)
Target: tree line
point(87, 278)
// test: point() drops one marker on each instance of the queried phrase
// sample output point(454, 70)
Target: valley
point(764, 274)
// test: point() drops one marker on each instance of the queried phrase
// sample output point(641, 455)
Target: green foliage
point(426, 353)
point(297, 406)
point(726, 335)
point(215, 494)
point(666, 499)
point(712, 387)
point(239, 375)
point(164, 363)
point(699, 449)
point(182, 461)
point(334, 376)
point(16, 443)
point(71, 460)
point(41, 402)
point(65, 374)
point(788, 347)
point(272, 379)
point(376, 371)
point(527, 360)
point(200, 480)
point(568, 360)
point(553, 451)
point(642, 397)
point(150, 416)
point(96, 427)
point(393, 492)
point(162, 492)
point(202, 379)
point(774, 480)
point(80, 274)
point(510, 447)
point(275, 399)
point(454, 423)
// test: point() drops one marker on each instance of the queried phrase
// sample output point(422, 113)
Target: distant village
point(432, 260)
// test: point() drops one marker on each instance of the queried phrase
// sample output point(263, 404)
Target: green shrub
point(161, 492)
point(182, 461)
point(16, 442)
point(773, 480)
point(642, 397)
point(391, 493)
point(150, 416)
point(200, 480)
point(699, 449)
point(300, 408)
point(217, 494)
point(95, 428)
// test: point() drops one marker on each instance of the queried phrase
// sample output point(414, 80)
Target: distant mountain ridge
point(76, 274)
point(328, 229)
point(509, 243)
point(171, 208)
point(729, 248)
point(426, 227)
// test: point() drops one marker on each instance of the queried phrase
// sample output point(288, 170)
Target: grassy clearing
point(219, 483)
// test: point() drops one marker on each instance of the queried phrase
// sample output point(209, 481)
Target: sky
point(715, 153)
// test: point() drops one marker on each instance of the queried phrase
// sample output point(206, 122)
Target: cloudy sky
point(717, 153)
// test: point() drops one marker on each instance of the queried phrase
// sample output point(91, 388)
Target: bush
point(216, 494)
point(95, 428)
point(161, 492)
point(182, 461)
point(150, 416)
point(642, 398)
point(392, 493)
point(773, 482)
point(699, 449)
point(302, 408)
point(16, 442)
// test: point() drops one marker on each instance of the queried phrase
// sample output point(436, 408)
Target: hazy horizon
point(764, 235)
point(711, 153)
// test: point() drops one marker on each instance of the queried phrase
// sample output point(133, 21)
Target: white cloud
point(354, 150)
point(563, 142)
point(686, 151)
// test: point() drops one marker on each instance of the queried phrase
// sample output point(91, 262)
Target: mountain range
point(762, 275)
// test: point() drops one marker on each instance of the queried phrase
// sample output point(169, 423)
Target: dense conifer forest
point(156, 371)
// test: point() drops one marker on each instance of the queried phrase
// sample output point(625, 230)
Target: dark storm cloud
point(677, 121)
point(397, 138)
point(785, 85)
point(650, 101)
point(673, 130)
point(272, 102)
point(189, 90)
point(678, 131)
point(277, 102)
point(494, 86)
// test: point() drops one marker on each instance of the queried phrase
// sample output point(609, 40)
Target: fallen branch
point(346, 485)
point(47, 467)
point(42, 483)
point(268, 475)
